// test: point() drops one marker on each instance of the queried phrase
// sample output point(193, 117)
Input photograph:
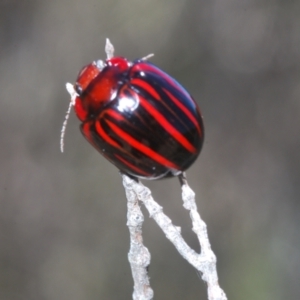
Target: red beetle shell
point(138, 117)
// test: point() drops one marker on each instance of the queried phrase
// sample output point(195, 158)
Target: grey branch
point(139, 256)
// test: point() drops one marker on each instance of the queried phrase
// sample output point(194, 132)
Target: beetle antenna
point(64, 126)
point(109, 49)
point(73, 94)
point(147, 56)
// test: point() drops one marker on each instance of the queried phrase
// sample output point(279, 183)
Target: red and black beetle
point(137, 116)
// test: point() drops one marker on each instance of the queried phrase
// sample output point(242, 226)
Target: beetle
point(137, 116)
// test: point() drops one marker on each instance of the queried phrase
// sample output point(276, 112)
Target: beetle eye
point(78, 89)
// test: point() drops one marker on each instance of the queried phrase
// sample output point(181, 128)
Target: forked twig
point(205, 261)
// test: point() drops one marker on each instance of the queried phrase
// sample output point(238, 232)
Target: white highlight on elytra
point(73, 94)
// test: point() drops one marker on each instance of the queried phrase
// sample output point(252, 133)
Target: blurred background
point(63, 231)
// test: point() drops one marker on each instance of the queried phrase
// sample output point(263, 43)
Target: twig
point(205, 262)
point(138, 256)
point(209, 265)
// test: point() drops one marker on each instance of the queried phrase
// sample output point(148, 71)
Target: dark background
point(63, 231)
